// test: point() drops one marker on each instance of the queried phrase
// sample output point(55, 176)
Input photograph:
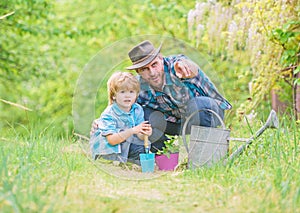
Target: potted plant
point(167, 158)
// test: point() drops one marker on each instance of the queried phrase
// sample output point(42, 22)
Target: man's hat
point(142, 54)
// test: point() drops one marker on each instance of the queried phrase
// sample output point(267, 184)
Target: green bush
point(45, 45)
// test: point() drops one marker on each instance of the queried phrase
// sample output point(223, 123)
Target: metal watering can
point(209, 145)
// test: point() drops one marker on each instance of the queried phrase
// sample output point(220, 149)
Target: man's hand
point(185, 68)
point(94, 128)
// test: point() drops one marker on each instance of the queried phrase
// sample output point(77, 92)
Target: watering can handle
point(189, 118)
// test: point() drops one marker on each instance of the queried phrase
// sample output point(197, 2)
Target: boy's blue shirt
point(114, 120)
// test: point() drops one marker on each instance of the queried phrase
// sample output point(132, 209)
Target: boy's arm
point(119, 137)
point(140, 130)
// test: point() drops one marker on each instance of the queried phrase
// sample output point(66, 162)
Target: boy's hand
point(143, 128)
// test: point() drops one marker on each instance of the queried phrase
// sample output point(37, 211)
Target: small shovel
point(147, 159)
point(146, 144)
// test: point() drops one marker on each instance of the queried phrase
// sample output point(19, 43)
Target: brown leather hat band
point(144, 58)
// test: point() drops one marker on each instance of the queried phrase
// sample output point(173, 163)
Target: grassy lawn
point(42, 173)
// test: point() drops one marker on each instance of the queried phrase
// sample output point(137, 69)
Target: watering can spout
point(272, 120)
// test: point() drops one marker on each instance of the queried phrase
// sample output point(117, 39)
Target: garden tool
point(146, 144)
point(147, 159)
point(272, 122)
point(209, 145)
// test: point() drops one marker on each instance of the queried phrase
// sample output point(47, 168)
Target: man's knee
point(204, 118)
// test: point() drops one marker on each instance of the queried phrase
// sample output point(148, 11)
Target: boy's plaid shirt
point(177, 92)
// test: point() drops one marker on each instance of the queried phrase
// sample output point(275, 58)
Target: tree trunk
point(277, 105)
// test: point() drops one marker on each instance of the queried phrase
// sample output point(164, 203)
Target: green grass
point(44, 173)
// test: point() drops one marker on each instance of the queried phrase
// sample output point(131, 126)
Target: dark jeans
point(133, 154)
point(161, 127)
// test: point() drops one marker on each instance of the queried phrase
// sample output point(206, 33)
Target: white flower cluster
point(243, 27)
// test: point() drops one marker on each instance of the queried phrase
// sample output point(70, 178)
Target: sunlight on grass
point(43, 173)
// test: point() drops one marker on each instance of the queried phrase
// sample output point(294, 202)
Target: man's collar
point(168, 78)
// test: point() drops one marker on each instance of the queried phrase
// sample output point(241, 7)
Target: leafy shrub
point(242, 31)
point(171, 146)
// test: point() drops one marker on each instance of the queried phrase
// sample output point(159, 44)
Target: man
point(172, 88)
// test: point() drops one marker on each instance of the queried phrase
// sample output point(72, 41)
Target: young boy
point(121, 126)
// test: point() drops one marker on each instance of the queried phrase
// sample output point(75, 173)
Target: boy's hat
point(142, 54)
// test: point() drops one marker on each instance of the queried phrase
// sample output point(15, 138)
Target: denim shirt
point(114, 120)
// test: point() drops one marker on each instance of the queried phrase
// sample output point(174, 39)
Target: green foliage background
point(262, 36)
point(46, 44)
